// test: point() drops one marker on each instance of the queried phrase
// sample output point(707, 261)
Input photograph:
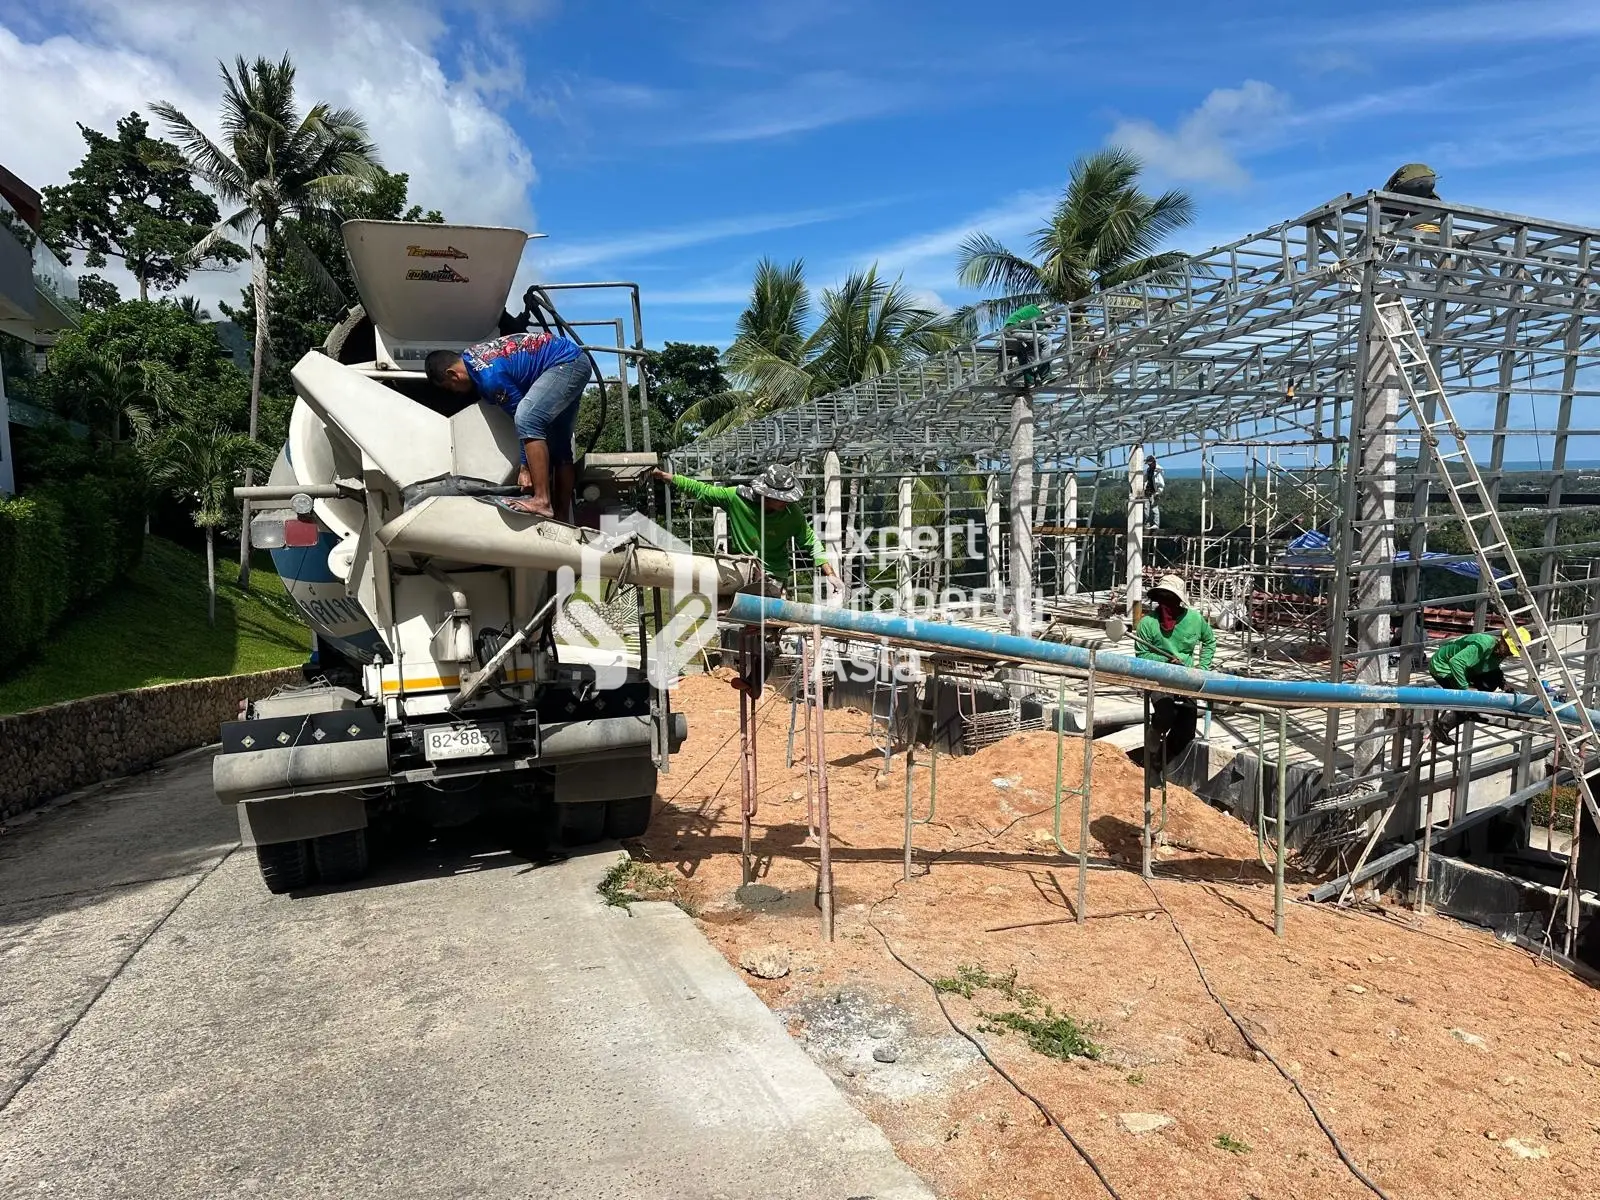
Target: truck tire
point(285, 866)
point(628, 818)
point(340, 857)
point(582, 824)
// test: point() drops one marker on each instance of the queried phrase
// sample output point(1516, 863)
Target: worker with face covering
point(1173, 633)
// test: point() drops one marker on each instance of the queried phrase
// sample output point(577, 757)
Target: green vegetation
point(1048, 1032)
point(133, 198)
point(59, 547)
point(277, 165)
point(630, 881)
point(1102, 233)
point(151, 629)
point(1231, 1144)
point(865, 327)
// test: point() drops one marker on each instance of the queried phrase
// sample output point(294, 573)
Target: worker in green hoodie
point(764, 519)
point(1472, 663)
point(1173, 633)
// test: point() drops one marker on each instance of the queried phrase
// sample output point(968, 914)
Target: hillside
point(151, 628)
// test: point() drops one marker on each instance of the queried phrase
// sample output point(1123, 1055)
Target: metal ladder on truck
point(1574, 731)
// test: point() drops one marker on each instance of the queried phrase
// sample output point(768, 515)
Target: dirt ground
point(1448, 1064)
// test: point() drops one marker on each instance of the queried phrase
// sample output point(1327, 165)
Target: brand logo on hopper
point(430, 252)
point(445, 274)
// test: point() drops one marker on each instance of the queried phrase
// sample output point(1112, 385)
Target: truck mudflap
point(303, 753)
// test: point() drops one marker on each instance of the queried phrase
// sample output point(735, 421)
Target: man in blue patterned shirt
point(539, 379)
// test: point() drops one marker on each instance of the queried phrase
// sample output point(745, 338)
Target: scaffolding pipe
point(824, 841)
point(750, 609)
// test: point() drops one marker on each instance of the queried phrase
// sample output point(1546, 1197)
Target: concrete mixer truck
point(463, 663)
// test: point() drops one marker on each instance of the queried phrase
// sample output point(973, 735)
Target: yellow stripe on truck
point(426, 683)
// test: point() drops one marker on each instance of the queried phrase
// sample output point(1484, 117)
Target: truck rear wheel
point(628, 818)
point(582, 824)
point(340, 857)
point(285, 866)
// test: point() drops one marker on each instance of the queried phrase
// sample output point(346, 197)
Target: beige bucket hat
point(1174, 585)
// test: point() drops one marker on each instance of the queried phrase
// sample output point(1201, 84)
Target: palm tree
point(868, 326)
point(113, 395)
point(200, 467)
point(273, 165)
point(1103, 232)
point(193, 309)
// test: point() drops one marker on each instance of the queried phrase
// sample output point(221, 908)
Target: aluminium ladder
point(1574, 731)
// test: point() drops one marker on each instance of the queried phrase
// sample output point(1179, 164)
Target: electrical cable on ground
point(872, 919)
point(1039, 1104)
point(1250, 1041)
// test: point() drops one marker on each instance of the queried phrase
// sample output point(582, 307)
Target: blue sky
point(676, 144)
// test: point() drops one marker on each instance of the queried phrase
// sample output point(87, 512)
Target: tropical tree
point(1103, 232)
point(115, 394)
point(867, 326)
point(302, 307)
point(193, 309)
point(133, 198)
point(274, 165)
point(200, 467)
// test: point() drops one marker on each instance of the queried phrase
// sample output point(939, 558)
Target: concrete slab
point(467, 1026)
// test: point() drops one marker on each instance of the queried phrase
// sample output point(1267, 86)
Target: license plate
point(463, 741)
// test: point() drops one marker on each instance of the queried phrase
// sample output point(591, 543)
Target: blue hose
point(750, 609)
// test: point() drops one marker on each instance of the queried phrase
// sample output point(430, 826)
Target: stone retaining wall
point(49, 751)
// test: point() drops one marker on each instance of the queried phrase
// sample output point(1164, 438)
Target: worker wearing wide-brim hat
point(1473, 663)
point(1177, 633)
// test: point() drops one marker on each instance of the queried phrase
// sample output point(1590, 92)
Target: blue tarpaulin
point(1313, 549)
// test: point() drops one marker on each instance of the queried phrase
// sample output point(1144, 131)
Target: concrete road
point(463, 1026)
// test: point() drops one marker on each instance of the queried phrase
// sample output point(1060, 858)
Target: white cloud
point(814, 100)
point(1203, 146)
point(930, 258)
point(631, 247)
point(432, 117)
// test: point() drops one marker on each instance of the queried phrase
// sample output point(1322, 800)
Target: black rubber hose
point(537, 303)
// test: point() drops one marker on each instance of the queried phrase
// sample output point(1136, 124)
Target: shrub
point(59, 547)
point(34, 574)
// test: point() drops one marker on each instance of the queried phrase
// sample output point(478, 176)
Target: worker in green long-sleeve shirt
point(1173, 633)
point(764, 518)
point(1472, 663)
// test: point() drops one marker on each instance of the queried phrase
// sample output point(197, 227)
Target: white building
point(38, 295)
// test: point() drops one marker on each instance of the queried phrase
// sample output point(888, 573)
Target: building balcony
point(38, 294)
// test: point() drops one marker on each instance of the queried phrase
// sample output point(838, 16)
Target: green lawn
point(151, 628)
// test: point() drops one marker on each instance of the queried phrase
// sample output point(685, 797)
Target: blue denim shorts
point(549, 410)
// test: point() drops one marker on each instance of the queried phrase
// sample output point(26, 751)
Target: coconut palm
point(273, 164)
point(1103, 232)
point(200, 467)
point(193, 309)
point(115, 395)
point(867, 326)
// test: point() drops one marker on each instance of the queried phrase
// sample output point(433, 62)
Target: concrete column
point(1022, 515)
point(1134, 579)
point(1043, 481)
point(719, 531)
point(1379, 400)
point(1069, 549)
point(832, 512)
point(904, 549)
point(991, 539)
point(832, 508)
